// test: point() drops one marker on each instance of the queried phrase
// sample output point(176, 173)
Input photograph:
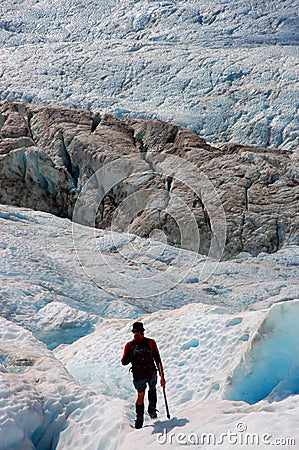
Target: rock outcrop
point(48, 154)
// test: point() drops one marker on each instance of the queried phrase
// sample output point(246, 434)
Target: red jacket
point(127, 356)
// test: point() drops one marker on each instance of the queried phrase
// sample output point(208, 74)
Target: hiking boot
point(152, 412)
point(152, 402)
point(139, 415)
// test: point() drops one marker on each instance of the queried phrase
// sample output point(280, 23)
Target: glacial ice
point(227, 70)
point(229, 346)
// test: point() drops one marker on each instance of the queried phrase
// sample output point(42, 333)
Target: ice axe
point(163, 387)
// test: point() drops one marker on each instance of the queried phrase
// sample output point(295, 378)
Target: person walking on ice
point(144, 355)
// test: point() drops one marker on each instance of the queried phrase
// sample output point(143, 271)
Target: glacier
point(62, 337)
point(228, 71)
point(226, 328)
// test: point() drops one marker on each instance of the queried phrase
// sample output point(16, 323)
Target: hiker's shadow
point(162, 426)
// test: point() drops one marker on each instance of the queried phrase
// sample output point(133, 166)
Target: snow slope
point(37, 393)
point(228, 70)
point(200, 347)
point(229, 345)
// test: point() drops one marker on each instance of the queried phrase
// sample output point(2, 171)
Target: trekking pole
point(164, 392)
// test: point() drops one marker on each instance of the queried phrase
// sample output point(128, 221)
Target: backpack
point(143, 365)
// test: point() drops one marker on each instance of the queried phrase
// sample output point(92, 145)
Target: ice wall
point(270, 366)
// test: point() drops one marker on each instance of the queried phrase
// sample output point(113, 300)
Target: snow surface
point(229, 346)
point(37, 393)
point(227, 70)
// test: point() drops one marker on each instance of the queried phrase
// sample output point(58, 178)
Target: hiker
point(143, 353)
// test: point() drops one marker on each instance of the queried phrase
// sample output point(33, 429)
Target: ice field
point(227, 70)
point(227, 330)
point(229, 346)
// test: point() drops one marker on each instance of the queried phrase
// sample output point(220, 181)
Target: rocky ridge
point(48, 154)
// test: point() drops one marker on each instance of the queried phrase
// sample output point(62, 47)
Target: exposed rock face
point(48, 153)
